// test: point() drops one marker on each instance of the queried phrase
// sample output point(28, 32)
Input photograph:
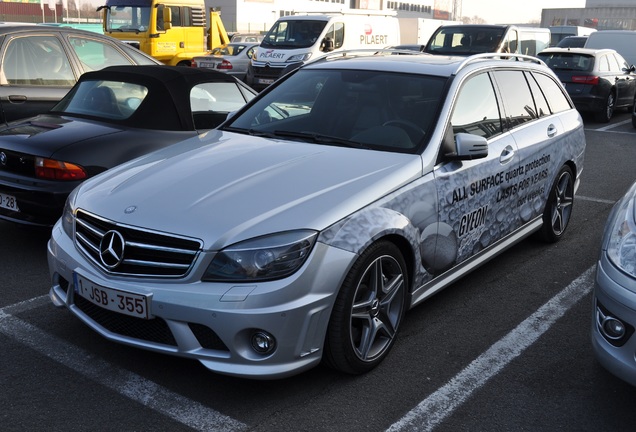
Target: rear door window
point(518, 103)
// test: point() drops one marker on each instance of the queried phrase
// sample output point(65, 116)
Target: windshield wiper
point(305, 136)
point(319, 138)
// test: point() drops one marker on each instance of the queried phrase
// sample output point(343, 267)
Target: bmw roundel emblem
point(3, 158)
point(111, 249)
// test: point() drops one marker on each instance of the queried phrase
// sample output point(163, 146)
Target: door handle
point(506, 155)
point(552, 130)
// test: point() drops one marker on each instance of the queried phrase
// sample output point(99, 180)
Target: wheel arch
point(357, 233)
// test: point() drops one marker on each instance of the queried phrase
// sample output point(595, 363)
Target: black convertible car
point(110, 116)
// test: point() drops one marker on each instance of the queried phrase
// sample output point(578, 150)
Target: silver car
point(614, 310)
point(232, 59)
point(305, 226)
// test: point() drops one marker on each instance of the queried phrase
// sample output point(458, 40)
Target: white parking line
point(597, 200)
point(441, 404)
point(128, 384)
point(614, 125)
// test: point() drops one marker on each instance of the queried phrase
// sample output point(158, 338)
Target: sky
point(514, 11)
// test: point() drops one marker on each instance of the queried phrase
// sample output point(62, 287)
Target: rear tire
point(558, 208)
point(605, 115)
point(368, 310)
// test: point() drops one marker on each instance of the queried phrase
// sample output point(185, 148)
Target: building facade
point(598, 14)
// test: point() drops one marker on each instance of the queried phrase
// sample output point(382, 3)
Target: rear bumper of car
point(614, 296)
point(39, 203)
point(212, 322)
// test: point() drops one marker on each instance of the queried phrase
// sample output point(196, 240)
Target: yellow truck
point(172, 31)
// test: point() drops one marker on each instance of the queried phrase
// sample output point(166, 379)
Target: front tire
point(368, 310)
point(558, 208)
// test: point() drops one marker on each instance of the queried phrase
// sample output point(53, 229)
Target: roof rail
point(500, 56)
point(367, 52)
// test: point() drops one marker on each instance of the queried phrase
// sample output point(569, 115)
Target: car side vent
point(126, 250)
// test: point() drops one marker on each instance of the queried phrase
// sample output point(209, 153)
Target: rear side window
point(517, 99)
point(476, 110)
point(37, 61)
point(543, 109)
point(554, 94)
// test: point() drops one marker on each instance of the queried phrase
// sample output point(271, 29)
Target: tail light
point(585, 79)
point(225, 65)
point(57, 170)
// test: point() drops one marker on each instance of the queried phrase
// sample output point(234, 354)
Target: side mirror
point(327, 44)
point(468, 147)
point(167, 18)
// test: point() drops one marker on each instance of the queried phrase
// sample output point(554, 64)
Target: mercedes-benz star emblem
point(111, 249)
point(3, 158)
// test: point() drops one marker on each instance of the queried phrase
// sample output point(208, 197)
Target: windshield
point(293, 34)
point(465, 40)
point(128, 18)
point(375, 110)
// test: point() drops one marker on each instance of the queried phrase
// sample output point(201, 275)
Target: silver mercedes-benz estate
point(305, 226)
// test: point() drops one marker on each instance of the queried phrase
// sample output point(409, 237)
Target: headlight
point(621, 247)
point(69, 213)
point(264, 258)
point(299, 58)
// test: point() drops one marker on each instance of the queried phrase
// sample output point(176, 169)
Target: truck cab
point(172, 31)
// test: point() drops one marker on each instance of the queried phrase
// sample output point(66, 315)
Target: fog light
point(613, 328)
point(263, 342)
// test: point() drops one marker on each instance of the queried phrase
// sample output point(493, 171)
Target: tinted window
point(380, 110)
point(568, 61)
point(622, 63)
point(104, 99)
point(552, 91)
point(37, 60)
point(476, 110)
point(543, 109)
point(614, 66)
point(95, 55)
point(221, 96)
point(517, 99)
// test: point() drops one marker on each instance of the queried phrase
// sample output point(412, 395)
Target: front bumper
point(213, 322)
point(615, 294)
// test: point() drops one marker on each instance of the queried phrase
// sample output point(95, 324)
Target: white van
point(622, 41)
point(295, 39)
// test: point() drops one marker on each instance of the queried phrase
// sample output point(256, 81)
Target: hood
point(224, 187)
point(46, 134)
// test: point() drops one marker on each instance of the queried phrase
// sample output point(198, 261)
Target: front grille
point(267, 72)
point(144, 253)
point(152, 330)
